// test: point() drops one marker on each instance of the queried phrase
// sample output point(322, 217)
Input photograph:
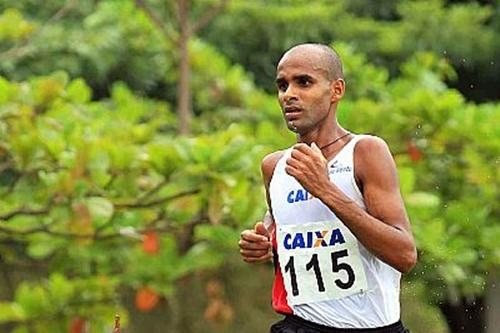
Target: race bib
point(319, 261)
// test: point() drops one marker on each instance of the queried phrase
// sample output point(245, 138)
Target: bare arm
point(384, 228)
point(255, 245)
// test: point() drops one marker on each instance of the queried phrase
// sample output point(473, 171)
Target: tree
point(255, 34)
point(101, 196)
point(444, 148)
point(185, 33)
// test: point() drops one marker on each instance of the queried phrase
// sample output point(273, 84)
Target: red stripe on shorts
point(280, 303)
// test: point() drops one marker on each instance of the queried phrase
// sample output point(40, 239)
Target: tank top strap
point(346, 154)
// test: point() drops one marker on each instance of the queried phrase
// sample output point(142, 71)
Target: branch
point(96, 235)
point(35, 230)
point(155, 189)
point(208, 16)
point(25, 211)
point(62, 312)
point(7, 165)
point(156, 202)
point(185, 239)
point(19, 50)
point(167, 32)
point(10, 289)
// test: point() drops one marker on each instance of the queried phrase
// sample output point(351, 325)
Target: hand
point(309, 167)
point(255, 245)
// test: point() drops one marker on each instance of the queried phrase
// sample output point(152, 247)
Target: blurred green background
point(131, 135)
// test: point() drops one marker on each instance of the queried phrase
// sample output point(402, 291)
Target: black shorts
point(294, 324)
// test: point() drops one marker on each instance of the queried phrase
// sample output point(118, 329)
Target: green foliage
point(13, 27)
point(84, 183)
point(100, 196)
point(58, 297)
point(450, 188)
point(111, 42)
point(255, 34)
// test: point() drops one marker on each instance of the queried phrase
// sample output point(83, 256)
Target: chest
point(293, 204)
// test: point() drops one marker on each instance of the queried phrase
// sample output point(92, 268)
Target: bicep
point(380, 184)
point(267, 167)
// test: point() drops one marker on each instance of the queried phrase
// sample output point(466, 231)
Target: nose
point(289, 95)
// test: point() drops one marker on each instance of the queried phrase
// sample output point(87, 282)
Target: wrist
point(326, 192)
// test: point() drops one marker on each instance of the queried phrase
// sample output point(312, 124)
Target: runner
point(337, 224)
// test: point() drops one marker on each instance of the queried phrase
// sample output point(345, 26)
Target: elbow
point(408, 260)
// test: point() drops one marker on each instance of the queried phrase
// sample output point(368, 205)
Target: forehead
point(301, 62)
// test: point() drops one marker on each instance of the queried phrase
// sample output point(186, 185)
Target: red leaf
point(77, 325)
point(146, 299)
point(151, 243)
point(413, 151)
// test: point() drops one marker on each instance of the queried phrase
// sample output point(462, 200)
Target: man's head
point(310, 82)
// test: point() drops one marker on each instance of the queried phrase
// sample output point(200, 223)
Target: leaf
point(77, 325)
point(165, 158)
point(221, 236)
point(413, 151)
point(101, 210)
point(32, 299)
point(406, 179)
point(47, 90)
point(146, 299)
point(43, 245)
point(11, 312)
point(423, 199)
point(4, 90)
point(13, 26)
point(151, 243)
point(203, 256)
point(453, 273)
point(78, 91)
point(41, 249)
point(61, 290)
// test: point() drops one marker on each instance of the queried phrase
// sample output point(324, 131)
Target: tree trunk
point(184, 93)
point(465, 316)
point(493, 306)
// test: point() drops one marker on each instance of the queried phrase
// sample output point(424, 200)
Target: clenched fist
point(255, 245)
point(309, 167)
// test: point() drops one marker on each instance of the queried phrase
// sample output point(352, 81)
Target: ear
point(338, 90)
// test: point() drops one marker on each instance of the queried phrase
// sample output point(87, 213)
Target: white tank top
point(374, 305)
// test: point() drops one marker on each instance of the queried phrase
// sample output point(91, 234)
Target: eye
point(304, 81)
point(282, 85)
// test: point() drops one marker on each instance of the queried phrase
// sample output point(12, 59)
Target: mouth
point(292, 112)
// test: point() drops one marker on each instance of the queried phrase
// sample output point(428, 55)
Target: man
point(340, 233)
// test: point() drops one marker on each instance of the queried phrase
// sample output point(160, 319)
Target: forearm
point(392, 245)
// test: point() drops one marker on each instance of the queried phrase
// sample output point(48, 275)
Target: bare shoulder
point(269, 164)
point(370, 146)
point(373, 159)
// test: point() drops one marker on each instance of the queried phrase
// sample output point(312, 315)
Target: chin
point(298, 127)
point(292, 127)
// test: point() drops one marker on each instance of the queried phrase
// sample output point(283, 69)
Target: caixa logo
point(298, 195)
point(310, 239)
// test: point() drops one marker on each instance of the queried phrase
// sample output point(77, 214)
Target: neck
point(322, 134)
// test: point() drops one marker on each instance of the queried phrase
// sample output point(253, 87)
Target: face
point(305, 94)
